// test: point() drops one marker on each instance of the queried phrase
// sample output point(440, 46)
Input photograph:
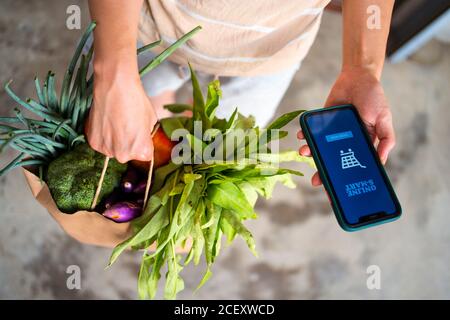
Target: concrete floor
point(303, 252)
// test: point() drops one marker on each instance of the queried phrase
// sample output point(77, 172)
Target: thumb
point(384, 130)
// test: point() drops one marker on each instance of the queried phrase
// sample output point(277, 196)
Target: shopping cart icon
point(348, 160)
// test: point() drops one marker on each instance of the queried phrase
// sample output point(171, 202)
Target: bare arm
point(364, 41)
point(121, 117)
point(359, 81)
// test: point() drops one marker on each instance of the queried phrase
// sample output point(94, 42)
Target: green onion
point(39, 91)
point(167, 52)
point(12, 164)
point(148, 46)
point(69, 73)
point(51, 93)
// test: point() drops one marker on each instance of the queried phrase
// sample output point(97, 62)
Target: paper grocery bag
point(85, 226)
point(88, 227)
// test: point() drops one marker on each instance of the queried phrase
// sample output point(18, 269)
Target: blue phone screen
point(352, 170)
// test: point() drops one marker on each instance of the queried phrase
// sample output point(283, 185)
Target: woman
point(255, 47)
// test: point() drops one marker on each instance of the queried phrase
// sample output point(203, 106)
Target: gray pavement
point(303, 252)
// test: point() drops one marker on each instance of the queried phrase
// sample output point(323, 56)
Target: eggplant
point(111, 199)
point(129, 180)
point(140, 202)
point(140, 187)
point(123, 211)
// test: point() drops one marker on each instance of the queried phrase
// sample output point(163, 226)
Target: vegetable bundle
point(202, 193)
point(53, 140)
point(197, 200)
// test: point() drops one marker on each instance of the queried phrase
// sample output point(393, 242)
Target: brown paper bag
point(88, 227)
point(85, 226)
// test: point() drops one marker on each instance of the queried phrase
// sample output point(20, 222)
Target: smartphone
point(359, 189)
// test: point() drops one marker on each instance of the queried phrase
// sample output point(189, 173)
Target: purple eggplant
point(129, 180)
point(123, 211)
point(140, 187)
point(111, 199)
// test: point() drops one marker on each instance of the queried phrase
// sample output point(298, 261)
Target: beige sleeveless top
point(238, 37)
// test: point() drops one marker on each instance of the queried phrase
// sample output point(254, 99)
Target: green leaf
point(220, 124)
point(175, 224)
point(233, 220)
point(285, 156)
point(198, 111)
point(178, 107)
point(231, 123)
point(267, 136)
point(178, 189)
point(197, 147)
point(198, 238)
point(144, 276)
point(169, 125)
point(264, 185)
point(174, 283)
point(155, 275)
point(158, 221)
point(249, 191)
point(190, 255)
point(205, 278)
point(186, 230)
point(244, 122)
point(283, 120)
point(210, 233)
point(217, 240)
point(190, 177)
point(162, 174)
point(227, 195)
point(199, 101)
point(212, 100)
point(228, 230)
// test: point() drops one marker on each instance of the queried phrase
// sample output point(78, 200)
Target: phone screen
point(362, 190)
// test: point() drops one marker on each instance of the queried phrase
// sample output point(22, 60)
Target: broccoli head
point(73, 177)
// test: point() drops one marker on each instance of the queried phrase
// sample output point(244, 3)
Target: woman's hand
point(361, 88)
point(122, 117)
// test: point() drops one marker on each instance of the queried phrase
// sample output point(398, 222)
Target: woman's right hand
point(122, 117)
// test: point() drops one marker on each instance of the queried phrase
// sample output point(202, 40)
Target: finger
point(145, 154)
point(305, 151)
point(143, 150)
point(300, 135)
point(384, 148)
point(121, 149)
point(315, 180)
point(386, 136)
point(99, 146)
point(103, 149)
point(122, 155)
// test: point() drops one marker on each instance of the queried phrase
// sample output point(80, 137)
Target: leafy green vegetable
point(203, 201)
